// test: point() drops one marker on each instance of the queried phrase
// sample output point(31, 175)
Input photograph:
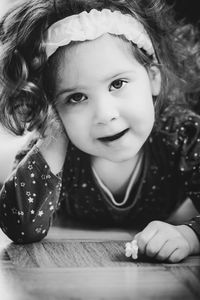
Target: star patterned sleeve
point(28, 199)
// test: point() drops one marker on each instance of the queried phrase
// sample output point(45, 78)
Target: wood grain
point(74, 264)
point(69, 254)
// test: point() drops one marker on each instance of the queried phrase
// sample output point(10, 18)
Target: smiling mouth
point(113, 137)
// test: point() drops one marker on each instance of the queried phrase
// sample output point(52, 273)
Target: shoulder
point(178, 121)
point(179, 129)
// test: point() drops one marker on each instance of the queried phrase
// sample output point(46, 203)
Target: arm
point(28, 199)
point(164, 241)
point(30, 196)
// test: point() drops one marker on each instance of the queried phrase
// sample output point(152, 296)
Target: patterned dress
point(170, 173)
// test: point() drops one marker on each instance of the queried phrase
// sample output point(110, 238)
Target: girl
point(101, 82)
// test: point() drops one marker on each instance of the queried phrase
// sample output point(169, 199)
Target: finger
point(155, 244)
point(145, 236)
point(166, 250)
point(179, 254)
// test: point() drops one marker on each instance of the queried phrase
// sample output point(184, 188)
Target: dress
point(170, 173)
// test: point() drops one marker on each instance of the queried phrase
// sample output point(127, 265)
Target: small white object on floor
point(131, 249)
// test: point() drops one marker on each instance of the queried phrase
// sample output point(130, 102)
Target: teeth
point(113, 137)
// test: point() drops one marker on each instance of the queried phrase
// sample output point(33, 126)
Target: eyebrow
point(69, 90)
point(82, 87)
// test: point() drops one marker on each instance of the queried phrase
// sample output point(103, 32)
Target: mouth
point(114, 137)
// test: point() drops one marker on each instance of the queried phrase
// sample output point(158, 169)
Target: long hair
point(26, 76)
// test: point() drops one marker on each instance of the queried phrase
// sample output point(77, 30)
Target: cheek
point(139, 107)
point(141, 115)
point(75, 124)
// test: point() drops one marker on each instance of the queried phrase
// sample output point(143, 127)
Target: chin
point(122, 157)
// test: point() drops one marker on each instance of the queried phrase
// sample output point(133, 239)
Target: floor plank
point(74, 263)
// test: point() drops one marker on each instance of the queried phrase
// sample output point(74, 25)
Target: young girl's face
point(104, 98)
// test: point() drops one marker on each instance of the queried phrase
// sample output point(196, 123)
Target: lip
point(114, 137)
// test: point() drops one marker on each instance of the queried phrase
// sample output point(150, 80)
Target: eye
point(117, 84)
point(76, 98)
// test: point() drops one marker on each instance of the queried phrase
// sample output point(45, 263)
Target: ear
point(155, 80)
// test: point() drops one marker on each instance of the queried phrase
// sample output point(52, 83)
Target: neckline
point(134, 175)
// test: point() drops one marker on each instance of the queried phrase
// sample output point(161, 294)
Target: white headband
point(89, 26)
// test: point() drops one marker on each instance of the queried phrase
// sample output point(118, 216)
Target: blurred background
point(9, 144)
point(187, 9)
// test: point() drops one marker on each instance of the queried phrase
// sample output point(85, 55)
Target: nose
point(105, 109)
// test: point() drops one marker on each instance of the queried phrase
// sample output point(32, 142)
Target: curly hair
point(26, 75)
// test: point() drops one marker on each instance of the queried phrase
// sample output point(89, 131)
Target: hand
point(53, 144)
point(54, 127)
point(163, 241)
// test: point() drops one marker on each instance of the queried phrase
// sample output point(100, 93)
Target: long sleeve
point(188, 135)
point(28, 199)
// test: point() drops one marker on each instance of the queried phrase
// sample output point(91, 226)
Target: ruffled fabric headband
point(91, 25)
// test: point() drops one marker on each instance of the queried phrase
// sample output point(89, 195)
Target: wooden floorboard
point(86, 264)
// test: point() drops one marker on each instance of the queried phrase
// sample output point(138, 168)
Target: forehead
point(104, 56)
